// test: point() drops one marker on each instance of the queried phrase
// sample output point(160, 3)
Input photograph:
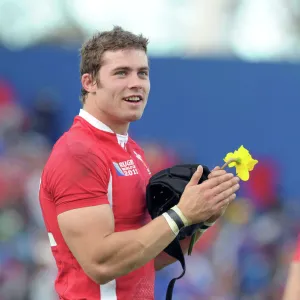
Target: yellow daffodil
point(242, 160)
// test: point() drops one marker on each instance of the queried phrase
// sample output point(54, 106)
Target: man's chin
point(134, 118)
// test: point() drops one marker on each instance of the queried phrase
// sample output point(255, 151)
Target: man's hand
point(215, 173)
point(203, 202)
point(199, 202)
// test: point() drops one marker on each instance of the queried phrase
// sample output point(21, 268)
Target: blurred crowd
point(26, 137)
point(244, 256)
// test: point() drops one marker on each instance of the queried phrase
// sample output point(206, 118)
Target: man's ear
point(88, 83)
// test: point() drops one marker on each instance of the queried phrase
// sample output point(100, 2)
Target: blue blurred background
point(224, 73)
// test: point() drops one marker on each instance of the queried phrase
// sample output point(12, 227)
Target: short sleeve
point(77, 179)
point(297, 251)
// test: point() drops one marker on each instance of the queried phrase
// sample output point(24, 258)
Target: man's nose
point(135, 82)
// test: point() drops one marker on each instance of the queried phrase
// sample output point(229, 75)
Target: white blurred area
point(247, 29)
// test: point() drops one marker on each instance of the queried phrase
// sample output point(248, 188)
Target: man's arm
point(292, 290)
point(105, 255)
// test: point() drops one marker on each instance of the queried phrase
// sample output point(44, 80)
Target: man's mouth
point(133, 99)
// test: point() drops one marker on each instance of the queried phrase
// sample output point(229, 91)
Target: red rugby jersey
point(91, 165)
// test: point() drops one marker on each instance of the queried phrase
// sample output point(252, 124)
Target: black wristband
point(175, 218)
point(204, 227)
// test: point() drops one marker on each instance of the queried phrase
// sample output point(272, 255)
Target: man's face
point(124, 85)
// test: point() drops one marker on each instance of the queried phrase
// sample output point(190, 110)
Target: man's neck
point(118, 128)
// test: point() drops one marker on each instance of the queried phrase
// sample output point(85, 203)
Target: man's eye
point(121, 73)
point(143, 73)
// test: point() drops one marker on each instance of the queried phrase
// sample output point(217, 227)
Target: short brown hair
point(113, 40)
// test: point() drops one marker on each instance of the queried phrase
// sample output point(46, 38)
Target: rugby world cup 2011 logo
point(125, 168)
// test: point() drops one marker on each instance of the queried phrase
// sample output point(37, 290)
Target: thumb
point(196, 176)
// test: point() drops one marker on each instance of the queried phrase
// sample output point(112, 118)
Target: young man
point(93, 186)
point(292, 290)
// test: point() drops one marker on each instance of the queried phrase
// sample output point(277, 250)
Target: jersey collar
point(122, 139)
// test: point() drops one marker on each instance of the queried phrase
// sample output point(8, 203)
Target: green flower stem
point(192, 243)
point(236, 160)
point(193, 239)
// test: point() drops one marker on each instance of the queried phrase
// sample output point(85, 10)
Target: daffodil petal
point(242, 172)
point(229, 156)
point(251, 164)
point(242, 150)
point(233, 156)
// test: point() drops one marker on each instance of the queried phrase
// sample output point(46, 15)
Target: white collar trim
point(93, 121)
point(122, 139)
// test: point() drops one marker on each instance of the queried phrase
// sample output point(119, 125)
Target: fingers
point(223, 204)
point(215, 181)
point(216, 168)
point(231, 198)
point(225, 185)
point(223, 196)
point(196, 176)
point(216, 172)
